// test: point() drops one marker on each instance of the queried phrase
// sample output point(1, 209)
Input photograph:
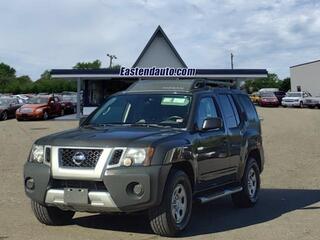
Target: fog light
point(30, 183)
point(138, 189)
point(127, 162)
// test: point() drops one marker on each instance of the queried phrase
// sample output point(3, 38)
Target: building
point(158, 60)
point(306, 77)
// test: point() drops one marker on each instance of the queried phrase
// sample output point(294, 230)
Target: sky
point(36, 35)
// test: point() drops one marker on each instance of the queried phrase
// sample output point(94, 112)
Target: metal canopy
point(106, 74)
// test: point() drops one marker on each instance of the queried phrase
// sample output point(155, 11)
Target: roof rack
point(181, 85)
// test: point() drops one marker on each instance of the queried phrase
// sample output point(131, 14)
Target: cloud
point(42, 34)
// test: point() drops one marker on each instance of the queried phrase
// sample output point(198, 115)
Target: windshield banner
point(156, 72)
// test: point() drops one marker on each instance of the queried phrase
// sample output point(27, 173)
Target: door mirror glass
point(211, 123)
point(51, 102)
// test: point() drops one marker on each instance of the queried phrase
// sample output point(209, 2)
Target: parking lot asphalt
point(289, 206)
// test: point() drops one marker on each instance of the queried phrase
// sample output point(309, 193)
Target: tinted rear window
point(248, 107)
point(228, 111)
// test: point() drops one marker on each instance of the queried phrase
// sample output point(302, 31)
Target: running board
point(208, 198)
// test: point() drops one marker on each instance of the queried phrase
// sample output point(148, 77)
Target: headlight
point(137, 157)
point(39, 110)
point(37, 154)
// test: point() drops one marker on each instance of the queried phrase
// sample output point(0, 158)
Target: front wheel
point(301, 105)
point(51, 215)
point(45, 115)
point(174, 213)
point(250, 183)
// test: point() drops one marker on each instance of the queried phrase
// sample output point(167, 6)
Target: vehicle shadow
point(217, 216)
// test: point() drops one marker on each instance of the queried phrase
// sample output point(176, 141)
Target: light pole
point(111, 58)
point(231, 56)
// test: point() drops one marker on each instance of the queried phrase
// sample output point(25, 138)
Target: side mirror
point(82, 120)
point(51, 102)
point(211, 123)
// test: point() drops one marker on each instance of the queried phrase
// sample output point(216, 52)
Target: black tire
point(4, 116)
point(161, 218)
point(301, 105)
point(45, 115)
point(246, 198)
point(51, 215)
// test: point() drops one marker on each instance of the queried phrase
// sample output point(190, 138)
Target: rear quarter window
point(247, 107)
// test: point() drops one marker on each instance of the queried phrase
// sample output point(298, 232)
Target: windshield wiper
point(98, 125)
point(148, 125)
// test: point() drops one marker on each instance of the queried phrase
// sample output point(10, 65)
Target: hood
point(108, 137)
point(33, 106)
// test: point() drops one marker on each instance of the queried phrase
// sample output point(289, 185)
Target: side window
point(56, 99)
point(206, 109)
point(235, 110)
point(248, 107)
point(228, 111)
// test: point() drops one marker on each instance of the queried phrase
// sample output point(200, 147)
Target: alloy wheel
point(179, 203)
point(4, 115)
point(252, 183)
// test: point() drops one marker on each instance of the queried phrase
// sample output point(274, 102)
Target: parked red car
point(69, 103)
point(40, 107)
point(268, 99)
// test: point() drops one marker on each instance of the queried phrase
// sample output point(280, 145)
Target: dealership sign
point(157, 72)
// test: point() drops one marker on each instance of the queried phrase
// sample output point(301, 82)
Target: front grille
point(90, 185)
point(116, 156)
point(79, 158)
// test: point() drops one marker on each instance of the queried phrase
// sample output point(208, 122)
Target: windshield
point(267, 94)
point(38, 100)
point(4, 101)
point(137, 109)
point(294, 94)
point(69, 98)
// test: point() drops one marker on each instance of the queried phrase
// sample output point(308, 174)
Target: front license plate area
point(76, 196)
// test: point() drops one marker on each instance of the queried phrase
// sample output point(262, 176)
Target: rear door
point(233, 127)
point(56, 107)
point(211, 147)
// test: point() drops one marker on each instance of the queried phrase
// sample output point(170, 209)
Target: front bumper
point(115, 195)
point(290, 104)
point(272, 104)
point(29, 116)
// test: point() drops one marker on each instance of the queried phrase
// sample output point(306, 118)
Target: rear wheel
point(250, 186)
point(4, 115)
point(174, 213)
point(51, 215)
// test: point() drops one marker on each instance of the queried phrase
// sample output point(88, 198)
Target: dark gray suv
point(157, 147)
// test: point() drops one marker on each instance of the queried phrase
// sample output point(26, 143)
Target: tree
point(116, 66)
point(7, 71)
point(271, 81)
point(88, 65)
point(285, 85)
